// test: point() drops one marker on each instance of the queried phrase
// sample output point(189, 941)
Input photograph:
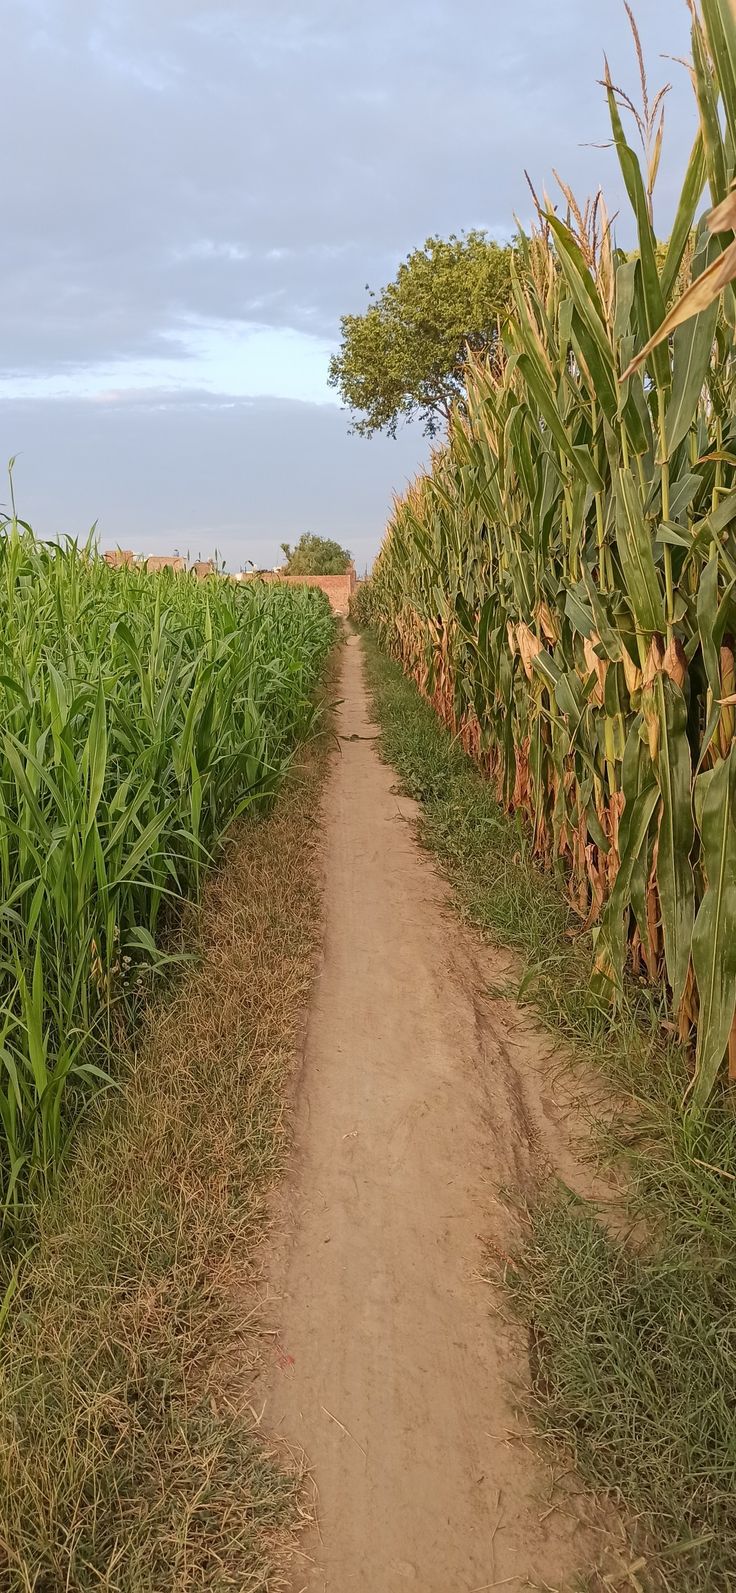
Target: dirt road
point(419, 1096)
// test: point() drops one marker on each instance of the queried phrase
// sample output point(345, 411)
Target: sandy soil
point(420, 1097)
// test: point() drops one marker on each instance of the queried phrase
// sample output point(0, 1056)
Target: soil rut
point(420, 1097)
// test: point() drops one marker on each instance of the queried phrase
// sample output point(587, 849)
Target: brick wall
point(339, 588)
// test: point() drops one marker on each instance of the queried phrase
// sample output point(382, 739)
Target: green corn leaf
point(691, 354)
point(547, 667)
point(579, 611)
point(611, 943)
point(715, 155)
point(722, 517)
point(714, 934)
point(652, 298)
point(586, 465)
point(673, 536)
point(609, 636)
point(595, 830)
point(676, 833)
point(712, 612)
point(602, 380)
point(682, 491)
point(570, 698)
point(681, 227)
point(588, 324)
point(544, 398)
point(623, 323)
point(720, 26)
point(637, 559)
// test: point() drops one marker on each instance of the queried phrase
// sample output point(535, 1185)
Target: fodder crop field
point(141, 714)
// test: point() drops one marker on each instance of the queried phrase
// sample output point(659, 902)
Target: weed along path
point(419, 1097)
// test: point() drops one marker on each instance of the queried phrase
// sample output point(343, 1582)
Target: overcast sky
point(192, 195)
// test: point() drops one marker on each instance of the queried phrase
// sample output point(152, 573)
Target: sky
point(194, 192)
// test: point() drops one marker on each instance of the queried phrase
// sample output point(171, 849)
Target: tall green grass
point(139, 715)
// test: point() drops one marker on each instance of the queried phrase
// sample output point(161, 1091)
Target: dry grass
point(129, 1459)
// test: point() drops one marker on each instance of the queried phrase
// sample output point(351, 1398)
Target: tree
point(316, 556)
point(404, 357)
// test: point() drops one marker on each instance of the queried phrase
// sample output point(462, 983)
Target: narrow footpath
point(420, 1097)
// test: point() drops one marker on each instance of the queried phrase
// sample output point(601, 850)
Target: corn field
point(140, 715)
point(561, 583)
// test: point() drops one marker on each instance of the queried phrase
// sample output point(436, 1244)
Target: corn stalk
point(561, 581)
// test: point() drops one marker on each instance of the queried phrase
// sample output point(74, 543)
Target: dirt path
point(419, 1097)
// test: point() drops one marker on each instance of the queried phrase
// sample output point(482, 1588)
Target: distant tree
point(316, 556)
point(404, 357)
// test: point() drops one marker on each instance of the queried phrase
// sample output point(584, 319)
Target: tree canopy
point(404, 357)
point(316, 556)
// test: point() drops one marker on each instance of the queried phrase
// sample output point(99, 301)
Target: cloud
point(195, 190)
point(261, 162)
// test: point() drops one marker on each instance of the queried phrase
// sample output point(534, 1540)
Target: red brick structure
point(120, 559)
point(167, 562)
point(339, 588)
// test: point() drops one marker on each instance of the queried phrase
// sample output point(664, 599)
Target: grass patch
point(635, 1344)
point(129, 1460)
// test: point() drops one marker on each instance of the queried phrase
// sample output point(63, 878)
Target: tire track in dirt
point(419, 1099)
